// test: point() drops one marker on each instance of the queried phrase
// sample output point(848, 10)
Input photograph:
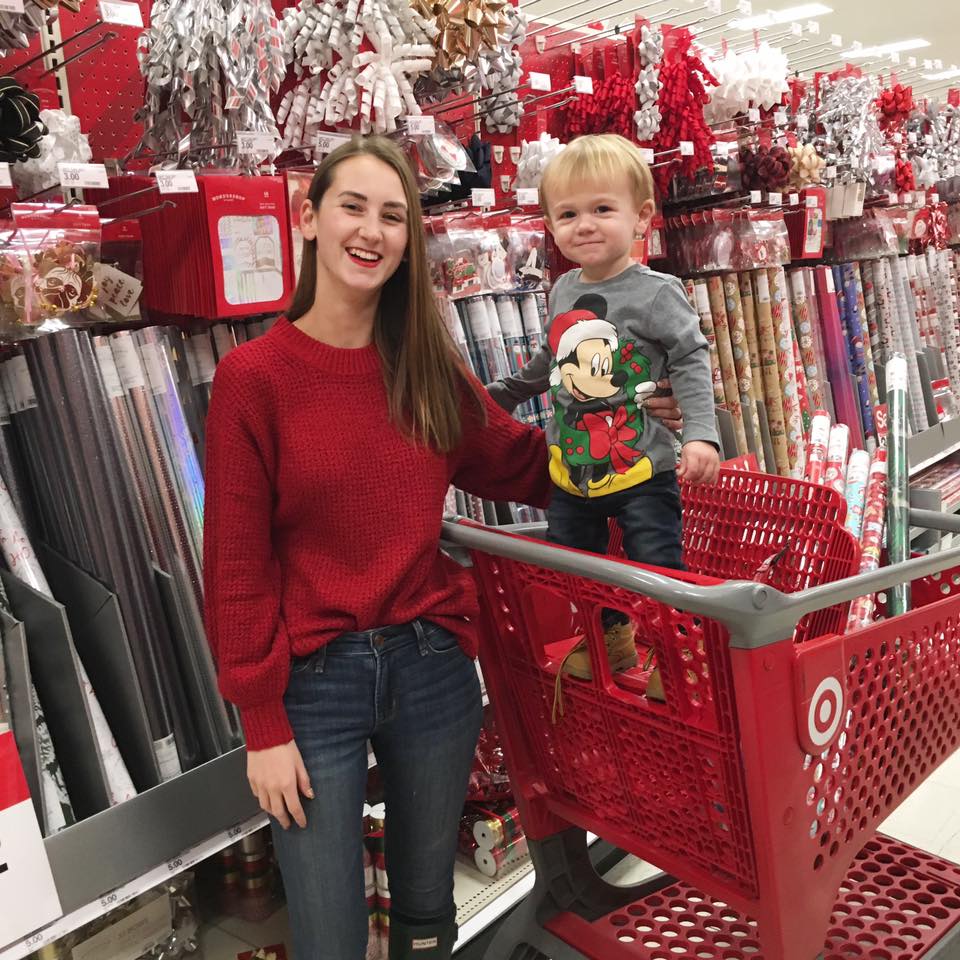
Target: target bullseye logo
point(825, 712)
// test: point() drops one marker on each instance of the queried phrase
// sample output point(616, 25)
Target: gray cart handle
point(755, 614)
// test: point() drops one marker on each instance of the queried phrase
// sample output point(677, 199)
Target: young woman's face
point(361, 225)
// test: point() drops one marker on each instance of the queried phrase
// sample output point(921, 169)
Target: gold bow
point(465, 28)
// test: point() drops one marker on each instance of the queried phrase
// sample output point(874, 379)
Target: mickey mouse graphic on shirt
point(598, 385)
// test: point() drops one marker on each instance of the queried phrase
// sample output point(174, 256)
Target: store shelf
point(122, 852)
point(931, 446)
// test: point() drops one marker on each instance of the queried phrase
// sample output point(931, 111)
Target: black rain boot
point(422, 939)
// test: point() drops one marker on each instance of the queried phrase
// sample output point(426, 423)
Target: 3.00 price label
point(83, 176)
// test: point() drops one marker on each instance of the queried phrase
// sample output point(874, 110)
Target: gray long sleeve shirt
point(607, 345)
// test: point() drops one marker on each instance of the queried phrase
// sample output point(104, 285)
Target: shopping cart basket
point(760, 781)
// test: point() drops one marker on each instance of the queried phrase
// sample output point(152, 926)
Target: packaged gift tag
point(27, 891)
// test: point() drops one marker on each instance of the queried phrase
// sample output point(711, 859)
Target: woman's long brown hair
point(425, 376)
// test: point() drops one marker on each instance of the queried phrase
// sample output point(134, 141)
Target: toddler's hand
point(699, 462)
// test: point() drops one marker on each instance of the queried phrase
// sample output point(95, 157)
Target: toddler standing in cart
point(616, 328)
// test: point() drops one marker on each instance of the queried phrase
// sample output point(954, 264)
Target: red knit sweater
point(322, 517)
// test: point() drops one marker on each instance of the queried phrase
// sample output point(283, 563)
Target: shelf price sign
point(121, 12)
point(27, 891)
point(83, 175)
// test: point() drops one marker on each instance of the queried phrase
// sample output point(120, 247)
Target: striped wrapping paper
point(871, 536)
point(741, 360)
point(728, 368)
point(786, 364)
point(702, 298)
point(753, 342)
point(904, 341)
point(771, 375)
point(804, 333)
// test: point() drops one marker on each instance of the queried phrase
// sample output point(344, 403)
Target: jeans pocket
point(312, 662)
point(437, 639)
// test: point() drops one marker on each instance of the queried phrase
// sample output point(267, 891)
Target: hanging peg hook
point(142, 213)
point(55, 47)
point(106, 38)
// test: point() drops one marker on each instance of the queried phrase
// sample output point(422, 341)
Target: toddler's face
point(595, 225)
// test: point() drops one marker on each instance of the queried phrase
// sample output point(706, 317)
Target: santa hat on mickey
point(584, 322)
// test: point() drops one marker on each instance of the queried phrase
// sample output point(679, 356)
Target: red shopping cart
point(759, 783)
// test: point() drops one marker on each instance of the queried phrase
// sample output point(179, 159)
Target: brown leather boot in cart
point(655, 681)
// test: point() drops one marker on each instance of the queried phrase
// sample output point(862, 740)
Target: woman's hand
point(277, 777)
point(663, 405)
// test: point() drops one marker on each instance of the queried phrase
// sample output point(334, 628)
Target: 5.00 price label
point(83, 175)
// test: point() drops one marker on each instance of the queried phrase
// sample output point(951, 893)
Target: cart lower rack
point(759, 779)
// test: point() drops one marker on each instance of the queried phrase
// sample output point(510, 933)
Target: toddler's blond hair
point(597, 158)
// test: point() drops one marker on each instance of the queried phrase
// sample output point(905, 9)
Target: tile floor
point(930, 819)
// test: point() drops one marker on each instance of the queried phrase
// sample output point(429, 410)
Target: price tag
point(328, 142)
point(796, 29)
point(686, 148)
point(830, 173)
point(949, 170)
point(483, 197)
point(11, 6)
point(775, 199)
point(895, 57)
point(927, 64)
point(937, 64)
point(836, 39)
point(540, 81)
point(911, 137)
point(794, 200)
point(803, 121)
point(713, 6)
point(831, 288)
point(780, 118)
point(128, 362)
point(29, 896)
point(5, 180)
point(754, 115)
point(583, 85)
point(745, 7)
point(812, 202)
point(252, 141)
point(893, 199)
point(912, 63)
point(756, 196)
point(723, 148)
point(200, 347)
point(933, 199)
point(813, 27)
point(898, 138)
point(122, 12)
point(528, 197)
point(424, 125)
point(907, 199)
point(647, 154)
point(176, 181)
point(83, 175)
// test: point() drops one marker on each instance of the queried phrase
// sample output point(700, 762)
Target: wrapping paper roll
point(728, 368)
point(817, 448)
point(870, 306)
point(866, 336)
point(753, 342)
point(858, 470)
point(908, 341)
point(871, 537)
point(741, 360)
point(898, 510)
point(938, 262)
point(803, 395)
point(835, 474)
point(810, 285)
point(804, 333)
point(771, 374)
point(702, 297)
point(494, 863)
point(786, 364)
point(854, 334)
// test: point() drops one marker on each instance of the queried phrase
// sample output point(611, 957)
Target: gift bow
point(609, 434)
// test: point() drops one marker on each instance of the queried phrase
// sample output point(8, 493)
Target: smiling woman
point(334, 617)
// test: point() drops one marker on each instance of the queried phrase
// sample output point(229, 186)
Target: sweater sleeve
point(688, 362)
point(241, 572)
point(531, 380)
point(501, 459)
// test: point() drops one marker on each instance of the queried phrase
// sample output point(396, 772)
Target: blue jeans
point(648, 515)
point(415, 695)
